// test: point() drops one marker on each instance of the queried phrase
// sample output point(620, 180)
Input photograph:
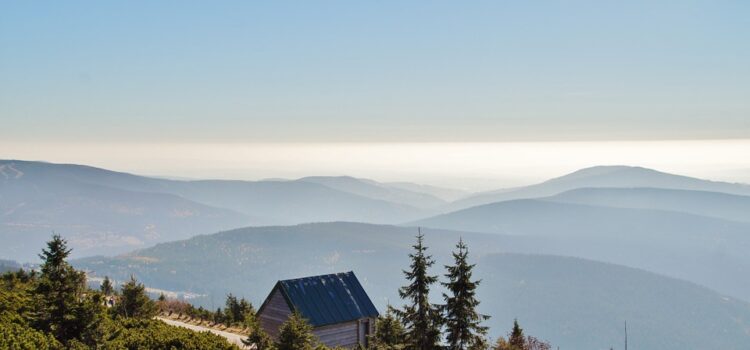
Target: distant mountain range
point(710, 204)
point(601, 176)
point(705, 250)
point(574, 303)
point(106, 212)
point(686, 228)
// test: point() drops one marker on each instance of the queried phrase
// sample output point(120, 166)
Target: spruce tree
point(133, 302)
point(106, 287)
point(389, 332)
point(462, 321)
point(257, 336)
point(246, 312)
point(421, 319)
point(295, 334)
point(231, 310)
point(516, 339)
point(59, 293)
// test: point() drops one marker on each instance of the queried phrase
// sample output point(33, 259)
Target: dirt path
point(231, 337)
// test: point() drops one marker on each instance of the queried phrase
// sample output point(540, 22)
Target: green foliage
point(237, 312)
point(59, 293)
point(106, 287)
point(15, 297)
point(70, 316)
point(389, 333)
point(296, 334)
point(156, 335)
point(258, 336)
point(516, 338)
point(421, 319)
point(463, 322)
point(22, 337)
point(134, 302)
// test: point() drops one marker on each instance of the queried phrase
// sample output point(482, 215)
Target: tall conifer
point(60, 290)
point(463, 322)
point(421, 319)
point(106, 287)
point(516, 339)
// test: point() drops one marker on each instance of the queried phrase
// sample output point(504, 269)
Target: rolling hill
point(574, 303)
point(600, 176)
point(98, 219)
point(376, 190)
point(708, 251)
point(107, 212)
point(711, 204)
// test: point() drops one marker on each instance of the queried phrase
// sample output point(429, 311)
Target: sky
point(148, 80)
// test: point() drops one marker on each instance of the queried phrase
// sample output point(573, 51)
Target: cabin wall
point(347, 334)
point(275, 313)
point(343, 334)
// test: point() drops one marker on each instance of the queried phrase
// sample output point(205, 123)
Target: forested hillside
point(550, 295)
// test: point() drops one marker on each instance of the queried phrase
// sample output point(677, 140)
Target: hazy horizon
point(467, 166)
point(478, 96)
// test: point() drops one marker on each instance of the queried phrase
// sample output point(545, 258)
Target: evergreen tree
point(258, 336)
point(295, 334)
point(106, 287)
point(59, 292)
point(134, 303)
point(218, 316)
point(231, 310)
point(246, 312)
point(389, 332)
point(463, 322)
point(421, 319)
point(516, 339)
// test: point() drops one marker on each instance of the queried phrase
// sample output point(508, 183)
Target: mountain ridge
point(619, 176)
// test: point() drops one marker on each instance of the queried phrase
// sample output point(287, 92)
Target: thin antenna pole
point(626, 335)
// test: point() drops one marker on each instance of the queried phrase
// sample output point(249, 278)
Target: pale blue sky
point(380, 71)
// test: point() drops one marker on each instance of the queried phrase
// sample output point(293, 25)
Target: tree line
point(54, 309)
point(419, 324)
point(453, 325)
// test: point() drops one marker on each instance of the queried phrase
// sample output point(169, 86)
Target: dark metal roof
point(328, 299)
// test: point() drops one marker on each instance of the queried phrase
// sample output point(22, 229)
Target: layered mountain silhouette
point(705, 250)
point(630, 219)
point(711, 204)
point(601, 176)
point(107, 212)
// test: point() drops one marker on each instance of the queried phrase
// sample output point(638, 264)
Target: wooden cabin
point(336, 306)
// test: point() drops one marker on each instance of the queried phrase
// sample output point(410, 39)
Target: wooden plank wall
point(274, 314)
point(342, 334)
